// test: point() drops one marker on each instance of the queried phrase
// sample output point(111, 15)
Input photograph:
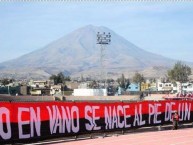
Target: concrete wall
point(103, 98)
point(117, 98)
point(90, 92)
point(26, 98)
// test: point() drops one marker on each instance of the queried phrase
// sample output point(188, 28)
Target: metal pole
point(103, 39)
point(8, 90)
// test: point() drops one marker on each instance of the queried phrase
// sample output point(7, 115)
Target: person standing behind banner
point(175, 119)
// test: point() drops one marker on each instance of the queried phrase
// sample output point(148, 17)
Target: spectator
point(175, 119)
point(142, 96)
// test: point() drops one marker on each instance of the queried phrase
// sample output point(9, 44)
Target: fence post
point(159, 128)
point(104, 135)
point(122, 131)
point(75, 137)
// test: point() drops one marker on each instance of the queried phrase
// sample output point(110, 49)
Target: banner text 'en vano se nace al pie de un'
point(20, 121)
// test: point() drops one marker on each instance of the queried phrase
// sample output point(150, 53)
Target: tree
point(152, 80)
point(180, 72)
point(59, 78)
point(123, 82)
point(138, 78)
point(54, 78)
point(93, 84)
point(6, 81)
point(110, 81)
point(67, 78)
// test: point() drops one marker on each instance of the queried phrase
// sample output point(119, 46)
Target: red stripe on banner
point(36, 120)
point(44, 110)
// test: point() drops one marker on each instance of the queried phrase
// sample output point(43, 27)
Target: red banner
point(20, 121)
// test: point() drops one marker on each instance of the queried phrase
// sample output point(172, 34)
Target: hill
point(78, 52)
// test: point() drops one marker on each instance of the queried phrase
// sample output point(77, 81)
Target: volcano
point(78, 51)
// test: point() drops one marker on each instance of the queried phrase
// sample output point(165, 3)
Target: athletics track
point(168, 137)
point(183, 136)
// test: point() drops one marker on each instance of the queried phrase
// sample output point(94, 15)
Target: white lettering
point(75, 117)
point(35, 119)
point(114, 122)
point(90, 125)
point(151, 112)
point(126, 116)
point(187, 111)
point(21, 122)
point(108, 117)
point(120, 109)
point(52, 116)
point(5, 112)
point(94, 108)
point(67, 123)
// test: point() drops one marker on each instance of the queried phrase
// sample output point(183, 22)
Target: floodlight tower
point(103, 39)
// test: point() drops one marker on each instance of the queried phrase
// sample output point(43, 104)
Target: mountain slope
point(78, 51)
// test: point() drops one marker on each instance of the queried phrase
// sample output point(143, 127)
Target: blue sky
point(164, 28)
